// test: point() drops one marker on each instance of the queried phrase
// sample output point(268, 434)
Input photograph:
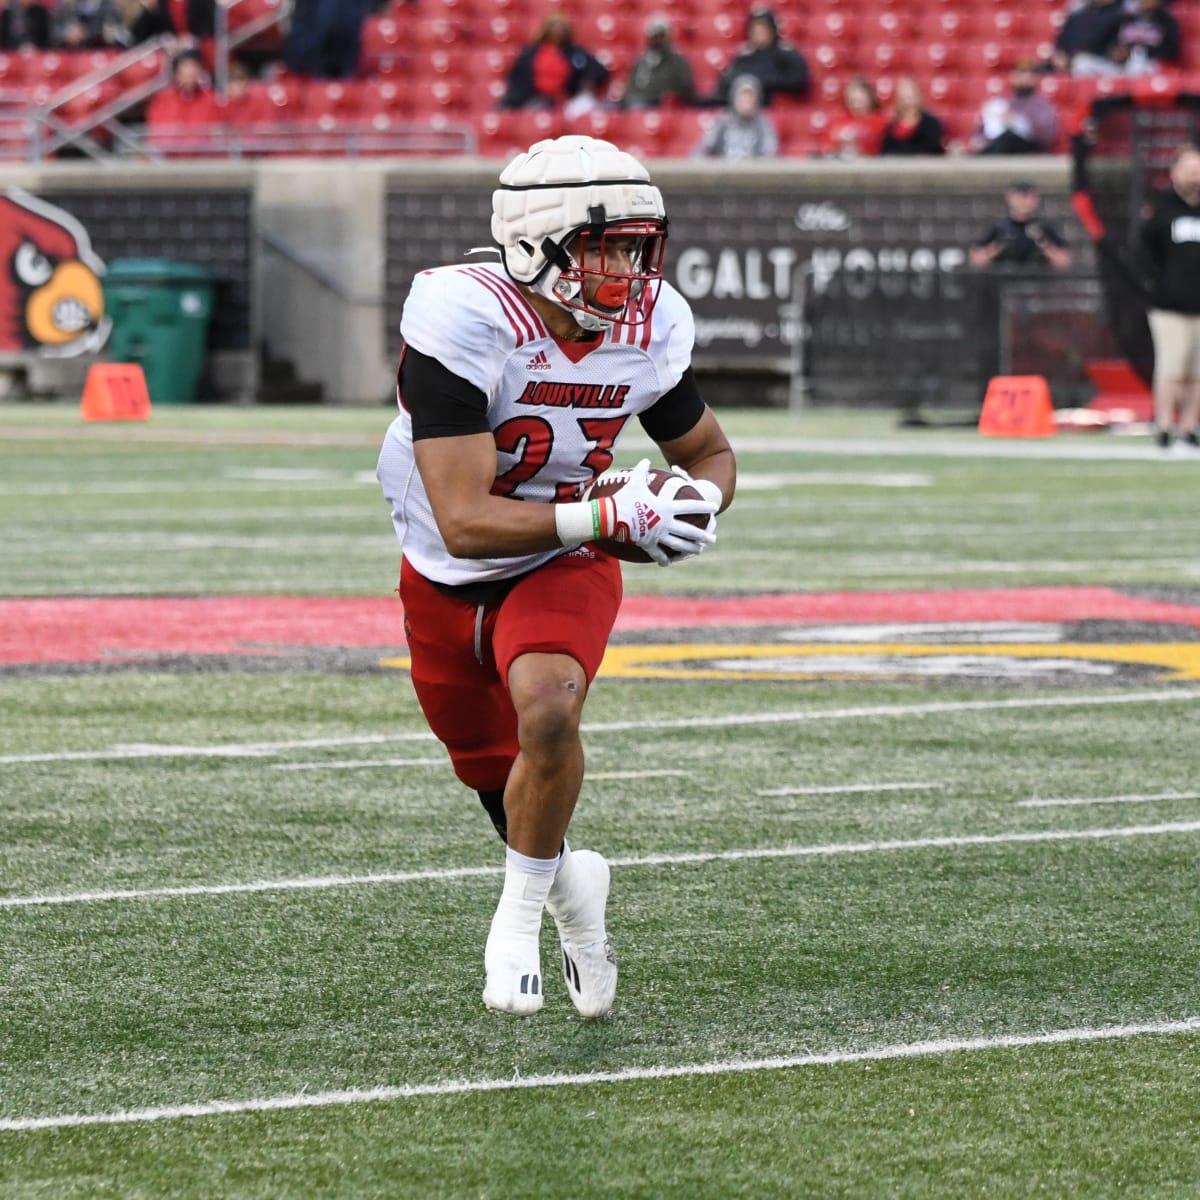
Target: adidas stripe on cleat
point(591, 975)
point(577, 902)
point(512, 987)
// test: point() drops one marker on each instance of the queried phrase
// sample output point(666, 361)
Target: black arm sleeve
point(676, 412)
point(440, 403)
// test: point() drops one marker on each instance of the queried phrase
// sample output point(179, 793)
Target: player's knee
point(548, 718)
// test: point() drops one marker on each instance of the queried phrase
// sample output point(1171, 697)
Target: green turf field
point(903, 910)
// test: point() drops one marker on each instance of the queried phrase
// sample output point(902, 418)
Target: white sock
point(570, 909)
point(527, 883)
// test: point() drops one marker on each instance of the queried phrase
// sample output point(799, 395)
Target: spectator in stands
point(137, 21)
point(325, 38)
point(912, 129)
point(1086, 40)
point(552, 71)
point(1170, 250)
point(1024, 122)
point(79, 24)
point(743, 130)
point(1023, 238)
point(777, 65)
point(239, 105)
point(24, 25)
point(188, 100)
point(858, 131)
point(1148, 39)
point(661, 73)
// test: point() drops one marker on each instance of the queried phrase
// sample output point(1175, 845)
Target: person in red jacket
point(554, 70)
point(858, 132)
point(187, 102)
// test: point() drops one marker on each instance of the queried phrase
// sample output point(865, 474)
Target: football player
point(516, 381)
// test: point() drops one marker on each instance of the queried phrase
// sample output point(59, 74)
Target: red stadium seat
point(885, 23)
point(446, 96)
point(950, 24)
point(1006, 24)
point(503, 134)
point(12, 70)
point(943, 90)
point(330, 98)
point(437, 33)
point(832, 56)
point(646, 131)
point(248, 11)
point(385, 97)
point(887, 56)
point(77, 110)
point(679, 136)
point(502, 31)
point(836, 26)
point(380, 40)
point(723, 29)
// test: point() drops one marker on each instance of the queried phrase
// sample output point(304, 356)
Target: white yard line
point(664, 773)
point(356, 764)
point(1081, 801)
point(320, 882)
point(941, 1046)
point(787, 717)
point(848, 789)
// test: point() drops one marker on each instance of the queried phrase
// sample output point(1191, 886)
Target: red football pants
point(461, 652)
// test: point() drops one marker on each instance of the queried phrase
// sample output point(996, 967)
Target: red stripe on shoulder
point(520, 325)
point(523, 301)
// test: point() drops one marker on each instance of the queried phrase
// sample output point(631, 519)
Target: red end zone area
point(80, 631)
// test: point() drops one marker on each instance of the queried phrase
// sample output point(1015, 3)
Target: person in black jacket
point(24, 24)
point(552, 70)
point(1024, 238)
point(776, 64)
point(1170, 245)
point(1086, 40)
point(912, 128)
point(1148, 39)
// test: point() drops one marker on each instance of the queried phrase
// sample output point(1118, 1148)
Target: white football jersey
point(555, 409)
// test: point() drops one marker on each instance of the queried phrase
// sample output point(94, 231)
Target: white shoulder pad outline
point(672, 336)
point(470, 318)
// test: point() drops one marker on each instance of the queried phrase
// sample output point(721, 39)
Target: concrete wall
point(320, 270)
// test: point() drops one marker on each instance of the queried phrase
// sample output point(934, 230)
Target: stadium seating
point(446, 60)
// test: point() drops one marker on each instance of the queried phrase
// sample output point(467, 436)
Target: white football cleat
point(514, 976)
point(577, 902)
point(512, 958)
point(591, 975)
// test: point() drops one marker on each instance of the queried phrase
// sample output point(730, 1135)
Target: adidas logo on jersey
point(539, 362)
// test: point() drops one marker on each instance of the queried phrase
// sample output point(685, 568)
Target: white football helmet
point(567, 212)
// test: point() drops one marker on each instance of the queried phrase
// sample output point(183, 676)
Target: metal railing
point(49, 126)
point(325, 138)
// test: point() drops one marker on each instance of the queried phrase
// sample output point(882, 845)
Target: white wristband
point(578, 523)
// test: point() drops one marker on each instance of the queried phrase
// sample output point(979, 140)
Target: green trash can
point(160, 312)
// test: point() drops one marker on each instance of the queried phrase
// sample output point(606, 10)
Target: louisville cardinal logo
point(51, 299)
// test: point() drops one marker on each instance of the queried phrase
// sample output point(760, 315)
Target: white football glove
point(654, 522)
point(708, 490)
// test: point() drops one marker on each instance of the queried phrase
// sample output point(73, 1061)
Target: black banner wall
point(877, 279)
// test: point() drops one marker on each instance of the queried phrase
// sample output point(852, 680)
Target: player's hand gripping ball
point(660, 516)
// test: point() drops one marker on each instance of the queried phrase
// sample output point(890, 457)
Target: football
point(662, 483)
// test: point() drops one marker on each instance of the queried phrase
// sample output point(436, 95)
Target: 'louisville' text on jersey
point(574, 395)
